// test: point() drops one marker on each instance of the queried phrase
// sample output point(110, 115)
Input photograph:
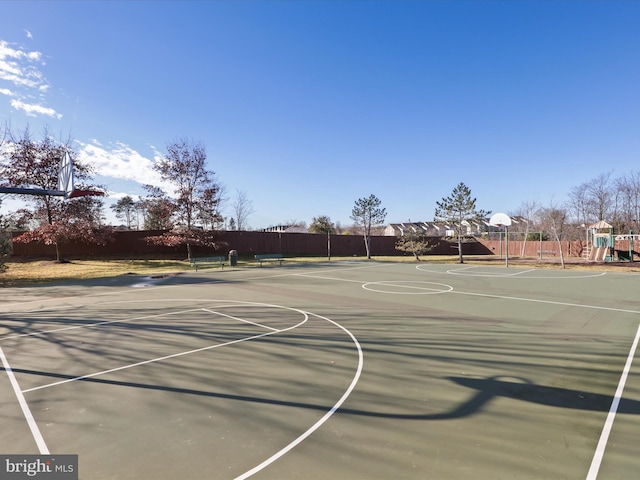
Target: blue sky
point(307, 106)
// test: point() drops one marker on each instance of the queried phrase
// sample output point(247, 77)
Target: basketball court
point(341, 370)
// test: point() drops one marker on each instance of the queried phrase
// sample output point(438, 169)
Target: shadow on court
point(487, 389)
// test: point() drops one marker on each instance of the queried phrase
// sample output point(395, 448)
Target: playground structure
point(604, 246)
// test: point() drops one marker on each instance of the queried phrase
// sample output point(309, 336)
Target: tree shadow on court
point(521, 389)
point(487, 390)
point(60, 288)
point(404, 351)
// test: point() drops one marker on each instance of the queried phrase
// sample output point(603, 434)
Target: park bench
point(269, 257)
point(205, 261)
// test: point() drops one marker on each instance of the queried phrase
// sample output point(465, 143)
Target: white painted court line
point(322, 277)
point(33, 426)
point(412, 287)
point(127, 289)
point(608, 425)
point(604, 436)
point(324, 418)
point(240, 319)
point(550, 302)
point(469, 267)
point(97, 324)
point(524, 271)
point(463, 273)
point(174, 355)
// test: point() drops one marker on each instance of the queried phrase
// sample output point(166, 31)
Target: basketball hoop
point(66, 183)
point(502, 220)
point(84, 193)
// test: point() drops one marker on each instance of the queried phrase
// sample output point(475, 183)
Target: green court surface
point(350, 370)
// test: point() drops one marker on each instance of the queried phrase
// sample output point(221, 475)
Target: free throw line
point(174, 355)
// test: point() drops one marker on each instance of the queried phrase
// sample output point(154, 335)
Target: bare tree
point(242, 208)
point(528, 211)
point(629, 188)
point(553, 219)
point(579, 205)
point(601, 197)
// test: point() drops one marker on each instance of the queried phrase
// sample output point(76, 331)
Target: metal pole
point(329, 245)
point(540, 236)
point(587, 244)
point(506, 235)
point(32, 191)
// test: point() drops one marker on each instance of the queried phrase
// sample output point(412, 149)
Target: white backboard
point(500, 220)
point(65, 175)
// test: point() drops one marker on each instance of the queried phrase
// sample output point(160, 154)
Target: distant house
point(430, 229)
point(518, 224)
point(442, 229)
point(287, 229)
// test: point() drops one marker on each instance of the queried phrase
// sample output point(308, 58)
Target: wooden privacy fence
point(133, 243)
point(535, 248)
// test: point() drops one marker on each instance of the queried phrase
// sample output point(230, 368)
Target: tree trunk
point(555, 234)
point(524, 241)
point(460, 249)
point(560, 249)
point(367, 246)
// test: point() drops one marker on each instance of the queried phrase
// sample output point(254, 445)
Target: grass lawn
point(20, 271)
point(25, 271)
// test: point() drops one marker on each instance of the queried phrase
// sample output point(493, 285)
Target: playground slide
point(592, 254)
point(600, 253)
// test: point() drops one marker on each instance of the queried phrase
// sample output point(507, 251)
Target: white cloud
point(20, 69)
point(119, 195)
point(16, 66)
point(32, 109)
point(122, 162)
